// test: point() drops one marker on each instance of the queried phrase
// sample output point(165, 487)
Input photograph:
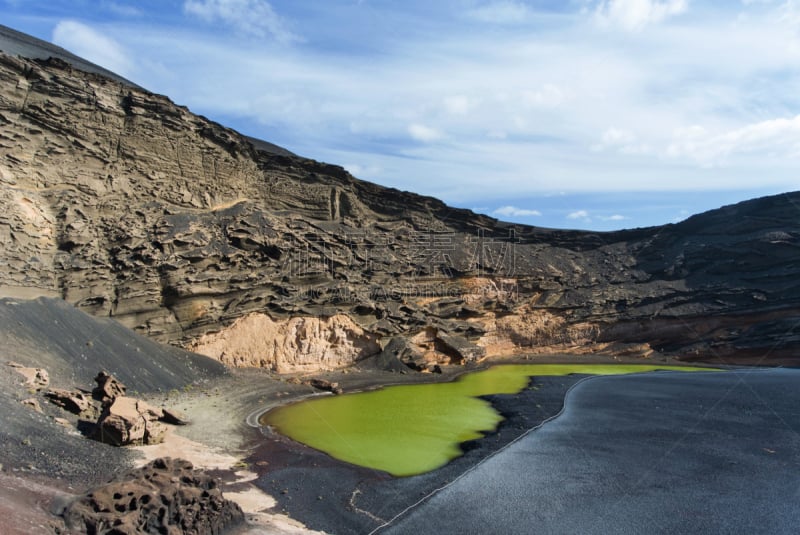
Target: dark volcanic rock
point(173, 417)
point(127, 205)
point(459, 348)
point(325, 385)
point(50, 334)
point(165, 496)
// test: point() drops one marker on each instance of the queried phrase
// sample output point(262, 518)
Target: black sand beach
point(699, 453)
point(336, 497)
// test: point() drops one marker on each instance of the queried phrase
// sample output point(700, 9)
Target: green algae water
point(411, 429)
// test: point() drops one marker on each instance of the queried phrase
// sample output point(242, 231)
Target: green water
point(412, 429)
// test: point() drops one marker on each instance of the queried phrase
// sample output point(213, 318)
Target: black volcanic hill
point(129, 206)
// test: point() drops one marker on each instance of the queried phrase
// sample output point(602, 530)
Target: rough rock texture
point(73, 401)
point(36, 378)
point(108, 387)
point(291, 345)
point(167, 496)
point(50, 334)
point(325, 385)
point(130, 421)
point(129, 206)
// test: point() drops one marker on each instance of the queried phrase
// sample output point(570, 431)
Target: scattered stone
point(326, 386)
point(37, 378)
point(173, 417)
point(108, 388)
point(73, 401)
point(165, 496)
point(32, 403)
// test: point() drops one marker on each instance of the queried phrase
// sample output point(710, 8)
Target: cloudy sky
point(598, 114)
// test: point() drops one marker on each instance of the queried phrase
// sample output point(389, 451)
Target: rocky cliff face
point(127, 205)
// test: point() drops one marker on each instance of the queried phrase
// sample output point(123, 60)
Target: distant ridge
point(21, 44)
point(16, 43)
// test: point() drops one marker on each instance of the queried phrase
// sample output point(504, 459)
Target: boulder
point(325, 385)
point(130, 421)
point(108, 388)
point(458, 348)
point(165, 496)
point(174, 417)
point(400, 349)
point(73, 401)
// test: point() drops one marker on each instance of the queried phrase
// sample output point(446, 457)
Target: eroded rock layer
point(127, 205)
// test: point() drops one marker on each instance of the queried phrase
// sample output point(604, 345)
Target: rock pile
point(118, 419)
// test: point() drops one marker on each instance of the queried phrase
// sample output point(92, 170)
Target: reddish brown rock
point(73, 401)
point(32, 403)
point(108, 387)
point(130, 421)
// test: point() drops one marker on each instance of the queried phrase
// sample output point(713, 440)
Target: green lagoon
point(411, 429)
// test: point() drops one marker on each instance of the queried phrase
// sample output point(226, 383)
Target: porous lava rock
point(167, 496)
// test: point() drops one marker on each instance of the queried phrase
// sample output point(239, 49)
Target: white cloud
point(513, 211)
point(615, 217)
point(579, 214)
point(458, 104)
point(94, 46)
point(549, 95)
point(362, 171)
point(252, 17)
point(423, 133)
point(779, 138)
point(622, 141)
point(501, 12)
point(562, 108)
point(634, 15)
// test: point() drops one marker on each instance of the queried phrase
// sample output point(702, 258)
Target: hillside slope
point(129, 206)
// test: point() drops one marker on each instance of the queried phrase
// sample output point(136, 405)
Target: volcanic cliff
point(127, 205)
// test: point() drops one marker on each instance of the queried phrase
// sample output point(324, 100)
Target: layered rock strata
point(127, 205)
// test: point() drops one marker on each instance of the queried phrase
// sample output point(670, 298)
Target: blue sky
point(597, 114)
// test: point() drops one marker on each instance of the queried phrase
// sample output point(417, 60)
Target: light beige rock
point(32, 403)
point(292, 345)
point(37, 378)
point(531, 330)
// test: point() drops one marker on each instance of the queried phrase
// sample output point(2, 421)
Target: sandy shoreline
point(286, 487)
point(223, 434)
